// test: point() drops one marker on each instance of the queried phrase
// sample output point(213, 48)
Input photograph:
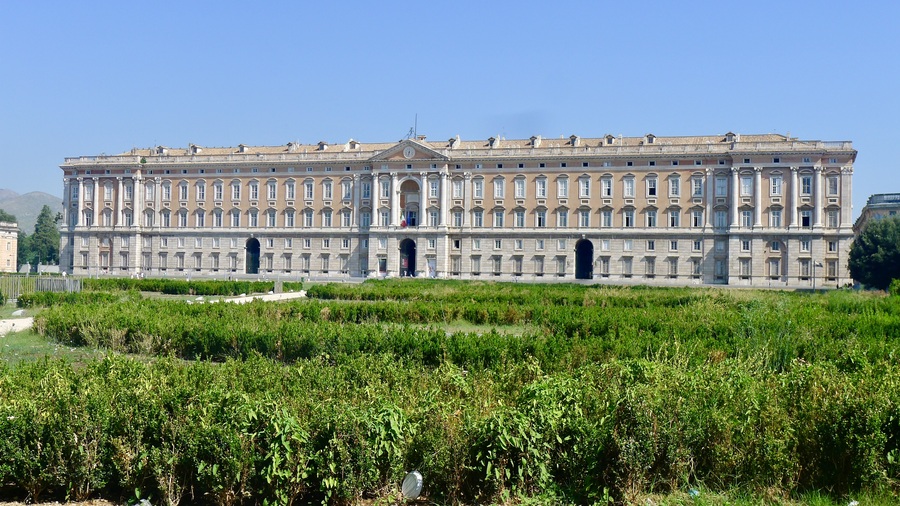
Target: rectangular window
point(697, 185)
point(326, 219)
point(628, 218)
point(498, 219)
point(289, 218)
point(541, 188)
point(327, 191)
point(271, 190)
point(345, 219)
point(805, 185)
point(606, 188)
point(832, 185)
point(674, 187)
point(457, 189)
point(498, 188)
point(562, 218)
point(721, 186)
point(833, 218)
point(606, 218)
point(433, 189)
point(182, 192)
point(721, 219)
point(626, 267)
point(478, 188)
point(498, 244)
point(540, 219)
point(673, 245)
point(746, 218)
point(290, 192)
point(627, 244)
point(696, 218)
point(806, 218)
point(698, 245)
point(254, 191)
point(674, 218)
point(584, 220)
point(478, 218)
point(628, 187)
point(584, 188)
point(745, 268)
point(366, 190)
point(235, 192)
point(519, 188)
point(476, 265)
point(804, 245)
point(776, 185)
point(560, 244)
point(746, 186)
point(520, 219)
point(650, 267)
point(775, 216)
point(832, 246)
point(385, 189)
point(651, 187)
point(651, 245)
point(457, 218)
point(651, 218)
point(562, 188)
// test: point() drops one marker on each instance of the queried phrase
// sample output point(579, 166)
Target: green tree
point(44, 243)
point(875, 254)
point(6, 217)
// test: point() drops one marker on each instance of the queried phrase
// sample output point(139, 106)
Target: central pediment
point(409, 149)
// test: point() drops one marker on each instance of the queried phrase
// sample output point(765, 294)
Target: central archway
point(407, 257)
point(252, 248)
point(584, 259)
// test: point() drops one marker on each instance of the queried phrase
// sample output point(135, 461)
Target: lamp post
point(815, 264)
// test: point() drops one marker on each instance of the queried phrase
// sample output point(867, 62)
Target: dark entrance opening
point(407, 257)
point(252, 247)
point(584, 259)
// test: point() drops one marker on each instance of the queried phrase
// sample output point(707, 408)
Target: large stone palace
point(753, 210)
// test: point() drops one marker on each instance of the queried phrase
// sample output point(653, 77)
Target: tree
point(875, 254)
point(44, 243)
point(6, 217)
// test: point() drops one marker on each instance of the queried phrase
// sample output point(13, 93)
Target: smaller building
point(878, 207)
point(9, 246)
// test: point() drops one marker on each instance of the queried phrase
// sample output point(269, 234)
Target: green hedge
point(178, 286)
point(254, 431)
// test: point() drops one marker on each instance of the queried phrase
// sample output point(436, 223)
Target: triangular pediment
point(409, 149)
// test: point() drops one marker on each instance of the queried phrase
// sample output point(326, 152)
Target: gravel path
point(15, 325)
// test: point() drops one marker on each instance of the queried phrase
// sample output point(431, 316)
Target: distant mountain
point(26, 208)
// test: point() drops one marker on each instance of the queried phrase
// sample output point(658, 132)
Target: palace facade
point(752, 210)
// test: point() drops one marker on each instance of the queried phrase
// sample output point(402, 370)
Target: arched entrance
point(409, 203)
point(252, 248)
point(407, 257)
point(584, 259)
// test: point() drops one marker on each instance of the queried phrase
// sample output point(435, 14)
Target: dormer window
point(610, 140)
point(453, 141)
point(492, 142)
point(195, 149)
point(732, 137)
point(535, 141)
point(242, 148)
point(322, 146)
point(291, 147)
point(161, 150)
point(574, 140)
point(650, 138)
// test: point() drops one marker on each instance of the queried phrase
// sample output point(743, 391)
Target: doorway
point(584, 259)
point(407, 258)
point(252, 247)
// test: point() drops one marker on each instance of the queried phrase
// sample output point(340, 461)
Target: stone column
point(395, 201)
point(817, 209)
point(467, 199)
point(96, 201)
point(735, 196)
point(423, 198)
point(795, 196)
point(846, 193)
point(80, 219)
point(710, 197)
point(757, 203)
point(355, 193)
point(120, 201)
point(137, 199)
point(445, 193)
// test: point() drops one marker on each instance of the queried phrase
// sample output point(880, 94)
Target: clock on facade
point(409, 152)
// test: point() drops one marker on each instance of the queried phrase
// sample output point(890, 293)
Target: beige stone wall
point(609, 202)
point(9, 240)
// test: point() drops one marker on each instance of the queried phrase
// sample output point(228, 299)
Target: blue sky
point(85, 78)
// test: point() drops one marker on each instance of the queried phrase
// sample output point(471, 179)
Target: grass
point(28, 346)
